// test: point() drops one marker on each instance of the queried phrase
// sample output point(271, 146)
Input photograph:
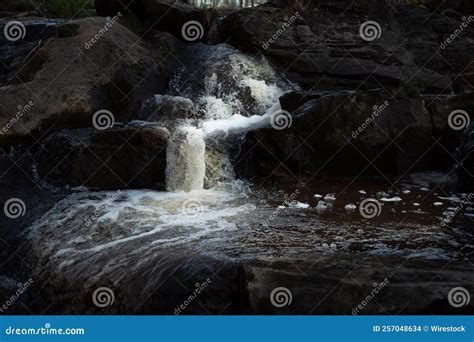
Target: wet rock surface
point(299, 226)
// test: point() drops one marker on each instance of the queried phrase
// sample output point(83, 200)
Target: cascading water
point(185, 164)
point(207, 114)
point(151, 247)
point(238, 94)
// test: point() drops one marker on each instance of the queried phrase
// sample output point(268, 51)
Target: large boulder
point(354, 133)
point(164, 15)
point(60, 74)
point(320, 45)
point(121, 157)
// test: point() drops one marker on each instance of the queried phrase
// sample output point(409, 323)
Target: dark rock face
point(165, 108)
point(69, 76)
point(345, 134)
point(118, 158)
point(319, 46)
point(465, 157)
point(332, 288)
point(163, 15)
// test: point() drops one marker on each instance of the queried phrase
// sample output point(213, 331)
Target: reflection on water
point(226, 3)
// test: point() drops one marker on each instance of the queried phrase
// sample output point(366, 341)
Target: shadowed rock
point(163, 15)
point(118, 158)
point(70, 71)
point(319, 45)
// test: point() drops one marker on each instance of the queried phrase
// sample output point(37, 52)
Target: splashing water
point(207, 115)
point(238, 94)
point(186, 167)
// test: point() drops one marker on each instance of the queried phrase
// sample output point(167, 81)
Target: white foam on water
point(391, 199)
point(224, 111)
point(264, 94)
point(350, 207)
point(164, 218)
point(216, 108)
point(298, 205)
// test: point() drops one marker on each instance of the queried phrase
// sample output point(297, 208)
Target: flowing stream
point(94, 236)
point(238, 93)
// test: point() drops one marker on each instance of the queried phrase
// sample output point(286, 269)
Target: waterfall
point(185, 164)
point(231, 94)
